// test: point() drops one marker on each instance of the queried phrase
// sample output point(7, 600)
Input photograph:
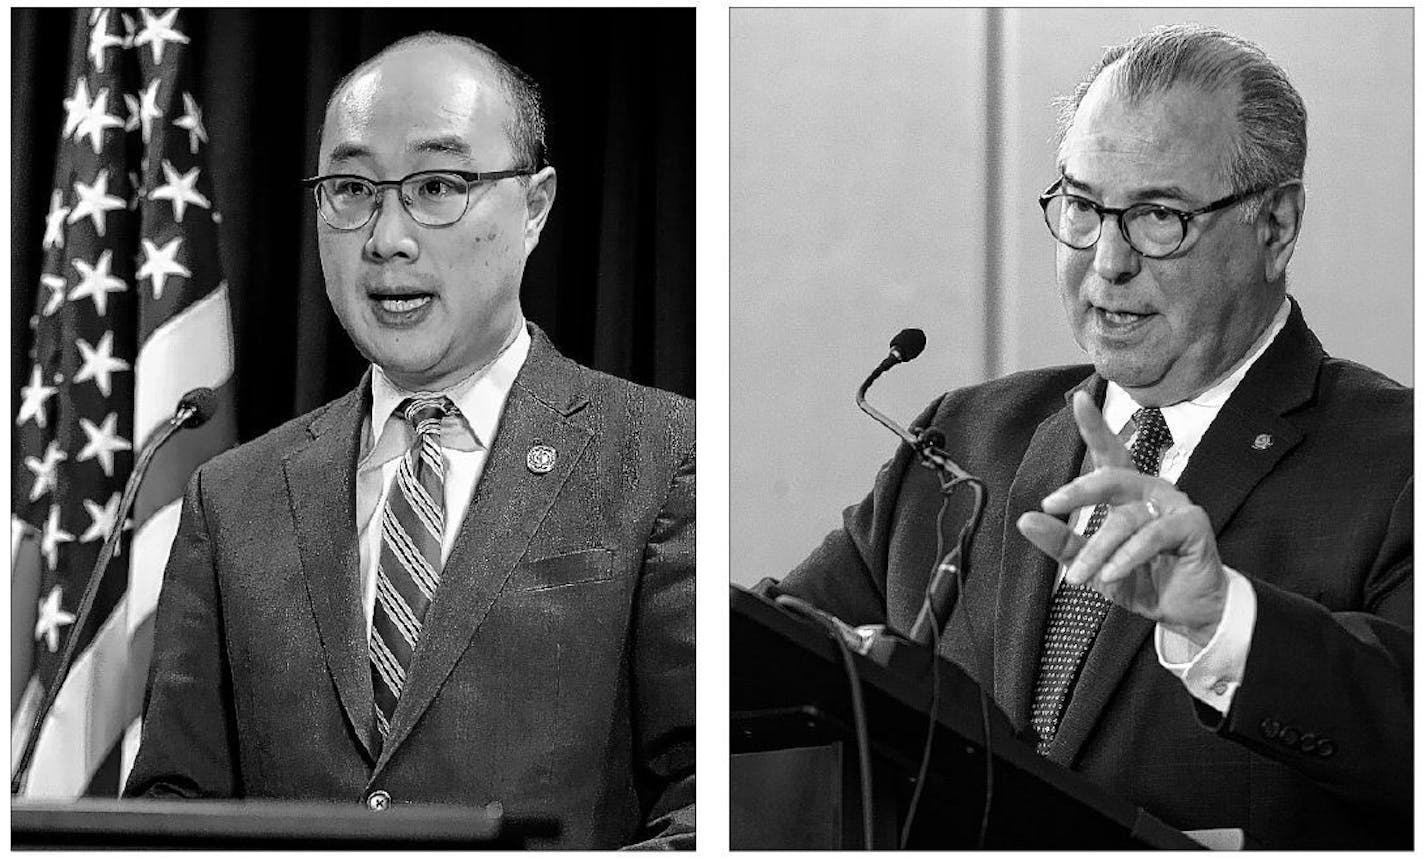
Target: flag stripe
point(150, 556)
point(76, 724)
point(26, 574)
point(192, 349)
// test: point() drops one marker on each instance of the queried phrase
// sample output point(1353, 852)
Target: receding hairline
point(487, 61)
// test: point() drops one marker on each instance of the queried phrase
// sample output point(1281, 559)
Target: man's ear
point(1278, 226)
point(539, 199)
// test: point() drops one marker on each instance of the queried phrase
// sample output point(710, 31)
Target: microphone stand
point(879, 642)
point(186, 412)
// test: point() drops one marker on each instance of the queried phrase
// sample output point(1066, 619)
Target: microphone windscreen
point(203, 402)
point(909, 343)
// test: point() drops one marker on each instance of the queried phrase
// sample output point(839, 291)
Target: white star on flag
point(159, 263)
point(157, 31)
point(33, 397)
point(99, 362)
point(128, 29)
point(100, 40)
point(192, 122)
point(52, 537)
point(54, 221)
point(95, 201)
point(95, 282)
point(75, 106)
point(179, 191)
point(55, 283)
point(96, 118)
point(103, 517)
point(43, 470)
point(51, 618)
point(103, 442)
point(147, 108)
point(131, 121)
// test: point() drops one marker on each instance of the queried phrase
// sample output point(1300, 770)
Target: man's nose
point(1114, 260)
point(392, 230)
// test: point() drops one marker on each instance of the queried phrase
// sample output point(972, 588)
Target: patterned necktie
point(409, 566)
point(1077, 611)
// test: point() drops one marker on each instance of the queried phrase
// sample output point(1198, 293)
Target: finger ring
point(1152, 511)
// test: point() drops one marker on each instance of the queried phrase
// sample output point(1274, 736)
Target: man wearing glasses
point(1194, 579)
point(470, 580)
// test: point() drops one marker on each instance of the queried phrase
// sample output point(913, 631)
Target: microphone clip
point(926, 442)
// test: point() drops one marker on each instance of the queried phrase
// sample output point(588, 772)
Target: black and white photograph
point(1123, 557)
point(353, 449)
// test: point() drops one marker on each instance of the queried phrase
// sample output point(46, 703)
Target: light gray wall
point(867, 147)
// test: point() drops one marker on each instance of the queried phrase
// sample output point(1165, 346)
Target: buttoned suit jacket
point(1306, 475)
point(554, 673)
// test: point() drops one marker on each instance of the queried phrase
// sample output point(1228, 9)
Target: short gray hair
point(527, 128)
point(1271, 141)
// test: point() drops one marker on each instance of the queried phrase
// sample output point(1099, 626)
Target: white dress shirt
point(1212, 673)
point(465, 440)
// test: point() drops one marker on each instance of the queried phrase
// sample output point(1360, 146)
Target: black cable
point(966, 537)
point(857, 705)
point(946, 491)
point(962, 548)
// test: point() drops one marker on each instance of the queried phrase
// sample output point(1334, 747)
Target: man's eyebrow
point(1175, 192)
point(343, 152)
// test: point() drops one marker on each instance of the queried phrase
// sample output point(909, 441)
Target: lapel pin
point(540, 459)
point(1261, 442)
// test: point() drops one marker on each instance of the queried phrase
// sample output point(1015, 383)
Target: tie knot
point(1152, 438)
point(425, 413)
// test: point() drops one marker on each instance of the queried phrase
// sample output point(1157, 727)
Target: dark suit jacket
point(555, 671)
point(1307, 477)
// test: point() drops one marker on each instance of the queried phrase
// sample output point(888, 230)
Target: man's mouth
point(1122, 317)
point(401, 304)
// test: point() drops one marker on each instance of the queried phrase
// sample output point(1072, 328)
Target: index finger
point(1103, 444)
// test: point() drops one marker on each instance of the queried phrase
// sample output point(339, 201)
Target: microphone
point(194, 410)
point(907, 346)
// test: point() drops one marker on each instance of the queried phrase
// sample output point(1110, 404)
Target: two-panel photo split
point(1057, 457)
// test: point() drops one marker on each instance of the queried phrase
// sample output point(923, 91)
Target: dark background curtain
point(612, 280)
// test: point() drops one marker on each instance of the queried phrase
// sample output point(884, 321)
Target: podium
point(249, 824)
point(794, 778)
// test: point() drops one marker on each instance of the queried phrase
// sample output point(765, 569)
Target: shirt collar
point(480, 398)
point(1189, 419)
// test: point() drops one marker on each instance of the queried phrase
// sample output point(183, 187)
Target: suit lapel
point(1054, 457)
point(321, 486)
point(1245, 441)
point(1250, 434)
point(510, 502)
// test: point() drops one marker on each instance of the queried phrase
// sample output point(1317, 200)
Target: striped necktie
point(1077, 611)
point(408, 570)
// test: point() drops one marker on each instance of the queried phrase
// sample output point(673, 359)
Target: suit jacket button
point(1290, 736)
point(1270, 728)
point(1325, 748)
point(378, 801)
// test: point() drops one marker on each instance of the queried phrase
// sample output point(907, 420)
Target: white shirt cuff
point(1212, 673)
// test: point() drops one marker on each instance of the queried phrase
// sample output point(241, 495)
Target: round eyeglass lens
point(435, 199)
point(346, 202)
point(1073, 221)
point(1155, 231)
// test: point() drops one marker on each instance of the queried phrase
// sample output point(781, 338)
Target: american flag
point(132, 312)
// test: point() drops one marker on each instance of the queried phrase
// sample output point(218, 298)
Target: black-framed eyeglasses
point(1153, 230)
point(435, 198)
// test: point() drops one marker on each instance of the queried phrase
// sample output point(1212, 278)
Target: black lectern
point(789, 693)
point(247, 824)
